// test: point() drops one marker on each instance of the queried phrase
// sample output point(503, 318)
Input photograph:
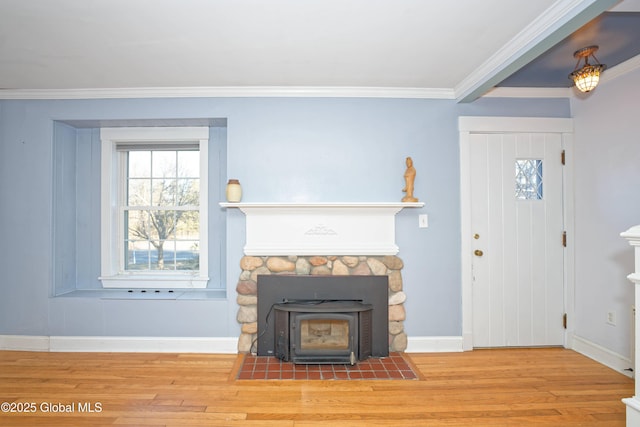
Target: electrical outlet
point(611, 318)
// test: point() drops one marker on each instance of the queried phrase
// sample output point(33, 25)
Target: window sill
point(143, 294)
point(134, 281)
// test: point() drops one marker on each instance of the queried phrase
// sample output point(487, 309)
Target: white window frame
point(113, 274)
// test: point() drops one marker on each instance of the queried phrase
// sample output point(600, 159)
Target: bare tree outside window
point(162, 212)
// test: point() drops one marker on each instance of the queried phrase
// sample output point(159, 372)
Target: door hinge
point(562, 157)
point(564, 239)
point(564, 320)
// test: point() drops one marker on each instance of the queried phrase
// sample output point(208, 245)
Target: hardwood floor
point(515, 387)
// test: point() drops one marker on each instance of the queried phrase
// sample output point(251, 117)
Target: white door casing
point(524, 278)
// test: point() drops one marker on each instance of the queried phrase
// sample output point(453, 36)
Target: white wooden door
point(517, 225)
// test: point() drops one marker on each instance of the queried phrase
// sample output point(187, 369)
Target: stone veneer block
point(280, 265)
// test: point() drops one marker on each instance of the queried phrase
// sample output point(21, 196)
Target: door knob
point(478, 252)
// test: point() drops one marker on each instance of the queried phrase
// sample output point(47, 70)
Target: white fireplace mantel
point(320, 228)
point(633, 403)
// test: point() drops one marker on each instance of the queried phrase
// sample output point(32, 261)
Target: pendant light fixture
point(587, 77)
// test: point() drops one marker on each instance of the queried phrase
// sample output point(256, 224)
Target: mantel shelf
point(632, 235)
point(320, 205)
point(335, 228)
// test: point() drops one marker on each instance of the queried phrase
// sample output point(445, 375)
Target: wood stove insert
point(323, 331)
point(350, 313)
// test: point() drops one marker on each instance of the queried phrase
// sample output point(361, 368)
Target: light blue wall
point(607, 202)
point(76, 204)
point(281, 149)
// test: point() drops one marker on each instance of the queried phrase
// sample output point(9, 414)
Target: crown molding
point(554, 92)
point(229, 92)
point(300, 91)
point(621, 69)
point(528, 92)
point(553, 25)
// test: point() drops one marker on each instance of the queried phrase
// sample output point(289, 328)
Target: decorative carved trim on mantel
point(366, 228)
point(320, 230)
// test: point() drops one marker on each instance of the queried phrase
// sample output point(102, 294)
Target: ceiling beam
point(558, 22)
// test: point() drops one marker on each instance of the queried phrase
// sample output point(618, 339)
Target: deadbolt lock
point(476, 236)
point(478, 252)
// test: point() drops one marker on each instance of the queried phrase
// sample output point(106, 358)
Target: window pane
point(139, 164)
point(188, 192)
point(164, 164)
point(162, 225)
point(529, 179)
point(189, 164)
point(166, 259)
point(139, 192)
point(136, 225)
point(137, 255)
point(164, 192)
point(187, 255)
point(188, 225)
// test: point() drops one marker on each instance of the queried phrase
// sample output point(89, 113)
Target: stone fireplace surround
point(329, 239)
point(252, 267)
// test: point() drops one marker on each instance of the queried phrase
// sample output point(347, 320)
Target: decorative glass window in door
point(528, 179)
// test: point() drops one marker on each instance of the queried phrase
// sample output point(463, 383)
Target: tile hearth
point(394, 367)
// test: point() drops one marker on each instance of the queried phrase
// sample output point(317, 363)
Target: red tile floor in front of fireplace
point(393, 367)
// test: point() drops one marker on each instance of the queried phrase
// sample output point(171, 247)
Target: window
point(529, 179)
point(154, 207)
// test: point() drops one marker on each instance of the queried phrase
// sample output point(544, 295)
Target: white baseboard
point(120, 344)
point(229, 345)
point(434, 344)
point(602, 355)
point(179, 344)
point(24, 343)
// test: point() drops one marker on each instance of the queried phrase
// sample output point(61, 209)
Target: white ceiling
point(456, 48)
